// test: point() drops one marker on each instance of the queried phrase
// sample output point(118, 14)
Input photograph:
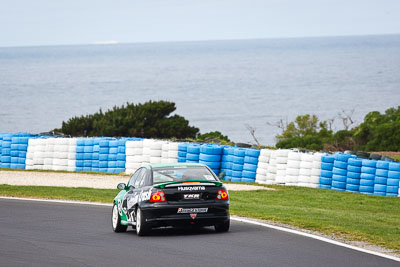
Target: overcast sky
point(52, 22)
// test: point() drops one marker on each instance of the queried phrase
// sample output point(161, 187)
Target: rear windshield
point(181, 173)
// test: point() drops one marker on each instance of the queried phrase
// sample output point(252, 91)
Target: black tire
point(142, 228)
point(223, 227)
point(375, 156)
point(363, 155)
point(116, 225)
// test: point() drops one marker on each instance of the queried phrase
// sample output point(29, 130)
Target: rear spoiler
point(188, 183)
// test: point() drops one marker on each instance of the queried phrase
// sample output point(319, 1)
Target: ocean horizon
point(219, 85)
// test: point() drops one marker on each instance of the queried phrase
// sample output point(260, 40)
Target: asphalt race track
point(57, 234)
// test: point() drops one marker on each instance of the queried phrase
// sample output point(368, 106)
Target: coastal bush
point(150, 120)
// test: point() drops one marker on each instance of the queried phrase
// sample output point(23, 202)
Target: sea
point(231, 86)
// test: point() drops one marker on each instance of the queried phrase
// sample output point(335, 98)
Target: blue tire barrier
point(211, 150)
point(79, 163)
point(104, 150)
point(338, 185)
point(369, 163)
point(353, 175)
point(367, 189)
point(392, 182)
point(324, 186)
point(238, 160)
point(237, 167)
point(327, 174)
point(239, 152)
point(326, 166)
point(6, 165)
point(6, 159)
point(192, 157)
point(112, 164)
point(394, 174)
point(338, 171)
point(355, 162)
point(88, 149)
point(252, 153)
point(182, 154)
point(88, 142)
point(95, 164)
point(381, 172)
point(80, 149)
point(103, 164)
point(103, 157)
point(392, 189)
point(352, 181)
point(113, 150)
point(251, 160)
point(327, 159)
point(382, 164)
point(104, 143)
point(352, 187)
point(325, 181)
point(369, 170)
point(380, 188)
point(121, 164)
point(14, 160)
point(236, 174)
point(378, 193)
point(391, 194)
point(367, 176)
point(80, 142)
point(250, 167)
point(193, 149)
point(340, 164)
point(248, 174)
point(236, 179)
point(87, 163)
point(210, 157)
point(181, 160)
point(87, 156)
point(351, 168)
point(339, 178)
point(14, 153)
point(394, 166)
point(380, 180)
point(182, 147)
point(212, 164)
point(112, 157)
point(226, 165)
point(367, 182)
point(342, 157)
point(113, 143)
point(191, 161)
point(120, 157)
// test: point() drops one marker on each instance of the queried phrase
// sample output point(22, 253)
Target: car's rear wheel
point(116, 221)
point(141, 226)
point(223, 227)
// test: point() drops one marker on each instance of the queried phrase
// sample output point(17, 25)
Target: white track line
point(234, 218)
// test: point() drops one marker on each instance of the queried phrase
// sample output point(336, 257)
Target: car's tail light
point(158, 196)
point(222, 194)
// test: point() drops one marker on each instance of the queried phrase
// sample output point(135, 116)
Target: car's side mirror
point(131, 187)
point(121, 186)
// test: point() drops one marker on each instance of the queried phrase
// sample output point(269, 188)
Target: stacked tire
point(293, 168)
point(315, 170)
point(250, 165)
point(305, 170)
point(18, 149)
point(392, 188)
point(121, 156)
point(172, 152)
point(227, 161)
point(193, 153)
point(262, 167)
point(272, 169)
point(237, 164)
point(182, 152)
point(353, 175)
point(60, 154)
point(104, 146)
point(381, 176)
point(6, 151)
point(210, 155)
point(367, 177)
point(325, 181)
point(339, 171)
point(134, 155)
point(281, 165)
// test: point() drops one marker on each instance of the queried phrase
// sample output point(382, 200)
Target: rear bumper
point(167, 214)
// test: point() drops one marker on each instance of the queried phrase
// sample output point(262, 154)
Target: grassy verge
point(351, 216)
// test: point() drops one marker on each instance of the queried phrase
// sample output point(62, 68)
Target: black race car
point(171, 195)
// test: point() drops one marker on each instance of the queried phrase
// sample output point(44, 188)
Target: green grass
point(359, 217)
